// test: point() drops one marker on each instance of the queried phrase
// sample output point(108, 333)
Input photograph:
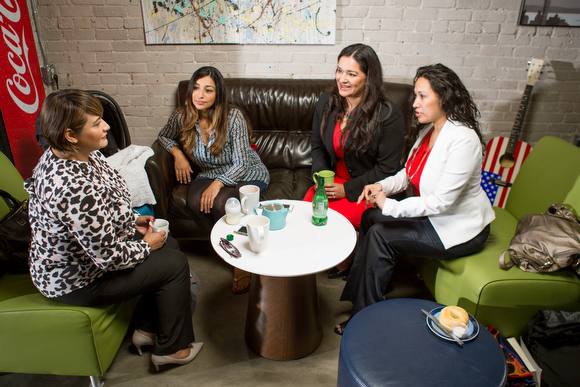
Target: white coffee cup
point(249, 197)
point(258, 228)
point(160, 225)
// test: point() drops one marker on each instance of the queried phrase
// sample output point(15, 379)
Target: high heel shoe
point(140, 340)
point(194, 349)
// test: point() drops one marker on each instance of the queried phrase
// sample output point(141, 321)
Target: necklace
point(426, 152)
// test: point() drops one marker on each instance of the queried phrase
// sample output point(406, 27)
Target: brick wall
point(99, 44)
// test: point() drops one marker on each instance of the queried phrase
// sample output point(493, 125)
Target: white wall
point(99, 44)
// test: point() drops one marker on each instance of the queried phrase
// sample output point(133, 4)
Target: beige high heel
point(140, 340)
point(194, 349)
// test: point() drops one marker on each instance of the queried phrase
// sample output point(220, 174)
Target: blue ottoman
point(390, 344)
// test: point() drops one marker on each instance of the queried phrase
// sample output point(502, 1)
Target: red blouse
point(416, 163)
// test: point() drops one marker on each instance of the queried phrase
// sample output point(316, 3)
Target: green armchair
point(42, 336)
point(508, 299)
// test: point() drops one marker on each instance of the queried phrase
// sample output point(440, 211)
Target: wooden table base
point(283, 320)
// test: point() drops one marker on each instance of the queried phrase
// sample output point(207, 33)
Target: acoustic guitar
point(504, 156)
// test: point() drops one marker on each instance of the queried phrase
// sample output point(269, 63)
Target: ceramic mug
point(160, 225)
point(258, 228)
point(326, 174)
point(249, 197)
point(276, 212)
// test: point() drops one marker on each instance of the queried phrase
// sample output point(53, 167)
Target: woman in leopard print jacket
point(89, 247)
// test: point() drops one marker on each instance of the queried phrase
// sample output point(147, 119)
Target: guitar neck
point(517, 129)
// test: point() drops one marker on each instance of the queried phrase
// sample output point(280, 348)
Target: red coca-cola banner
point(22, 93)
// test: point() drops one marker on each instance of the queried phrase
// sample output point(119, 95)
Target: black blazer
point(383, 159)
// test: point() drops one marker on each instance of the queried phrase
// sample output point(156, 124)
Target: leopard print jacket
point(82, 223)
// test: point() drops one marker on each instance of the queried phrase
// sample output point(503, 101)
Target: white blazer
point(450, 187)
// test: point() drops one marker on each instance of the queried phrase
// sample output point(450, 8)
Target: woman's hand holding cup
point(156, 240)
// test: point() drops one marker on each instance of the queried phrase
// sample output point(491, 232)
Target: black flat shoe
point(337, 273)
point(342, 326)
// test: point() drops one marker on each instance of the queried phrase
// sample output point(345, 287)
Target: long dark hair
point(218, 112)
point(456, 101)
point(363, 120)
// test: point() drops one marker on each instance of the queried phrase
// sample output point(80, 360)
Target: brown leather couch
point(280, 112)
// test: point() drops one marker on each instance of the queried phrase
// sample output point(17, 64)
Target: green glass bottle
point(319, 204)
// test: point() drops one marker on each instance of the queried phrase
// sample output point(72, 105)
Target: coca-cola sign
point(21, 87)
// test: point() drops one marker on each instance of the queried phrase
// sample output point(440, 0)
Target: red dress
point(348, 209)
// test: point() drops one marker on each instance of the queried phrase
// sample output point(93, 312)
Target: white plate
point(472, 328)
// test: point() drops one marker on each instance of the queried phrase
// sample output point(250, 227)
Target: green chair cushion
point(508, 299)
point(43, 336)
point(10, 182)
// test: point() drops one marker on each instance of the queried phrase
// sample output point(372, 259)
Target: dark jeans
point(198, 186)
point(383, 240)
point(163, 281)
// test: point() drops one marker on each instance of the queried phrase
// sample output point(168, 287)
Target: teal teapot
point(276, 212)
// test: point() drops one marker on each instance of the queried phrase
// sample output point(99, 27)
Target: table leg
point(283, 320)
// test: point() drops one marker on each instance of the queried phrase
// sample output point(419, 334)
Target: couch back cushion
point(281, 111)
point(547, 176)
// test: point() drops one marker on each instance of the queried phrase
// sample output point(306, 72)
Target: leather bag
point(545, 242)
point(15, 236)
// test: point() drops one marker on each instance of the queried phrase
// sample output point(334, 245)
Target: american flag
point(496, 147)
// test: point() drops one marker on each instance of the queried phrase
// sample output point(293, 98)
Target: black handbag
point(15, 236)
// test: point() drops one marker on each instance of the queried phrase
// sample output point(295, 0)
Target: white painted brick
point(420, 14)
point(491, 28)
point(412, 37)
point(479, 39)
point(512, 40)
point(66, 23)
point(356, 11)
point(474, 27)
point(387, 12)
point(133, 23)
point(120, 34)
point(497, 15)
point(457, 26)
point(440, 26)
point(100, 68)
point(75, 35)
point(453, 14)
point(449, 38)
point(110, 11)
point(115, 23)
point(439, 4)
point(127, 46)
point(470, 4)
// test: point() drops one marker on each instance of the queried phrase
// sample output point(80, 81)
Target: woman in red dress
point(357, 133)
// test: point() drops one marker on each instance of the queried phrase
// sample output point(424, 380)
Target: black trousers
point(383, 240)
point(162, 280)
point(198, 186)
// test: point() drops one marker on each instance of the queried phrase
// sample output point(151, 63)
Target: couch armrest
point(162, 180)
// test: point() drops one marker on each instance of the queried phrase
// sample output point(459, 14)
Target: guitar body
point(504, 156)
point(494, 170)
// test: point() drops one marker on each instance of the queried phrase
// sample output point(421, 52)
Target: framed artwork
point(239, 21)
point(550, 13)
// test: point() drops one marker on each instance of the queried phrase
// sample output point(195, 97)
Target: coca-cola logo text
point(19, 83)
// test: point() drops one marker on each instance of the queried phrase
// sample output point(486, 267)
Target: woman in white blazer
point(449, 214)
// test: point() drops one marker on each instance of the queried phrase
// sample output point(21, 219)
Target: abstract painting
point(239, 21)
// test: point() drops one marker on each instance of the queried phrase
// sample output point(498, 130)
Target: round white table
point(283, 319)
